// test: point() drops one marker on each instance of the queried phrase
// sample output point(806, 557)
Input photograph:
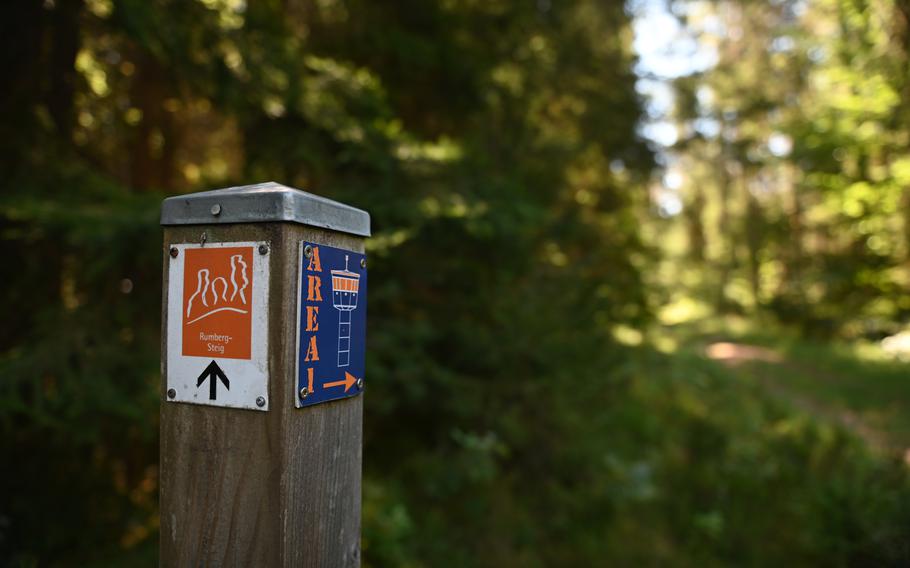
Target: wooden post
point(275, 485)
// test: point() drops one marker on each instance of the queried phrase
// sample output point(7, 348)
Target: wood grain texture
point(248, 488)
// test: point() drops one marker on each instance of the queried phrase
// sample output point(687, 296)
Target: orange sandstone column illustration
point(217, 302)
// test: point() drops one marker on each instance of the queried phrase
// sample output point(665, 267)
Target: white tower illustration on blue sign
point(345, 289)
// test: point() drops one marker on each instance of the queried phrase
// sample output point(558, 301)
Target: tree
point(493, 144)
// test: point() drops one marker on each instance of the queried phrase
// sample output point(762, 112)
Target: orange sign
point(218, 302)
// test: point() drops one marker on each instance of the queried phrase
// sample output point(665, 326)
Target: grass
point(742, 473)
point(856, 380)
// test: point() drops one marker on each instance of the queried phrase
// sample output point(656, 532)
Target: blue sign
point(331, 324)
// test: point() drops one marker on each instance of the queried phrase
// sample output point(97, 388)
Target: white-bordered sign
point(217, 325)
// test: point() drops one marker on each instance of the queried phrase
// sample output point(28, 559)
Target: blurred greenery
point(533, 308)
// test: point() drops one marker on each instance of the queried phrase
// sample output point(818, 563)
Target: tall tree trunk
point(21, 30)
point(754, 241)
point(793, 253)
point(725, 230)
point(64, 38)
point(695, 224)
point(155, 137)
point(901, 37)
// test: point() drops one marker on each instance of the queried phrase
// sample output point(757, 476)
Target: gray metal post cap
point(263, 203)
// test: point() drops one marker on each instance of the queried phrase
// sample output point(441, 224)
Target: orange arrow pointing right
point(347, 383)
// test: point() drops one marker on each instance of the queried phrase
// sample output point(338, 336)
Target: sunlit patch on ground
point(737, 353)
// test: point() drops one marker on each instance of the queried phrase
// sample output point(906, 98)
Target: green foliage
point(78, 399)
point(801, 185)
point(479, 136)
point(740, 479)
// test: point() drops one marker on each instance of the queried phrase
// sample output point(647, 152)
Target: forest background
point(618, 313)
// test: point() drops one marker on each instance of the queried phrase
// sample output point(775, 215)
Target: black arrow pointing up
point(213, 372)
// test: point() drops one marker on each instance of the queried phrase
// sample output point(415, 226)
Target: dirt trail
point(738, 354)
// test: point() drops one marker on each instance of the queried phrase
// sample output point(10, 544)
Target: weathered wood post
point(264, 315)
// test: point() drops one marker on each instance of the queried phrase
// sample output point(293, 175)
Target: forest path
point(762, 361)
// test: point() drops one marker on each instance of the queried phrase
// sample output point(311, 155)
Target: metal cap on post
point(264, 319)
point(264, 203)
